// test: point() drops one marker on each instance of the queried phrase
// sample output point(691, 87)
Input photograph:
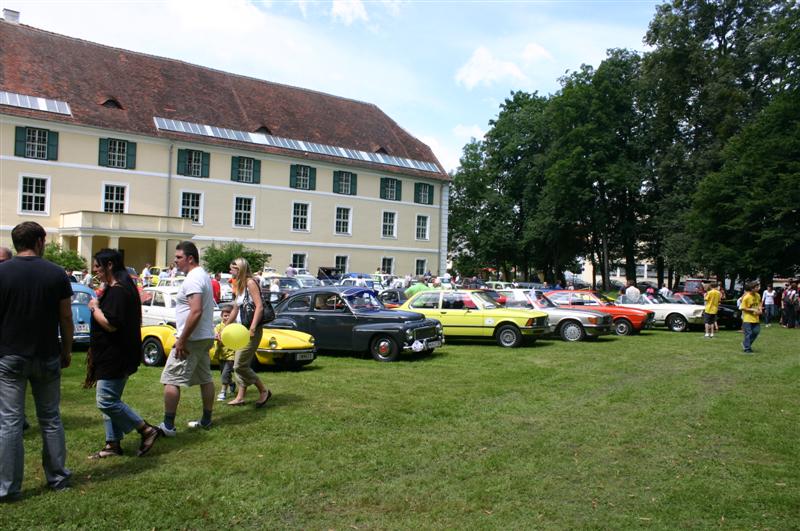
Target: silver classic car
point(571, 325)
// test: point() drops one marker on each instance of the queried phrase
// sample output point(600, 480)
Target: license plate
point(303, 356)
point(82, 328)
point(433, 344)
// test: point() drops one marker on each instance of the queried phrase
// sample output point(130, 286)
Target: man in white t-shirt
point(189, 364)
point(665, 291)
point(632, 294)
point(145, 276)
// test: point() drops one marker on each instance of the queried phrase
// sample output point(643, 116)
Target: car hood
point(391, 315)
point(570, 312)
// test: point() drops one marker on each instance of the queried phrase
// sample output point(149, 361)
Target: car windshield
point(488, 302)
point(81, 297)
point(542, 301)
point(362, 301)
point(605, 299)
point(657, 298)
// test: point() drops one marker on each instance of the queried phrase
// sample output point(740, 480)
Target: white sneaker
point(197, 424)
point(166, 432)
point(706, 335)
point(222, 396)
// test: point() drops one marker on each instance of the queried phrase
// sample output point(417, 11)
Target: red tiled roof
point(85, 74)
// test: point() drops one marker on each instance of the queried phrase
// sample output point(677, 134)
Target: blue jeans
point(45, 379)
point(751, 331)
point(118, 417)
point(769, 313)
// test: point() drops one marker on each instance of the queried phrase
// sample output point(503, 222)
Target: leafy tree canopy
point(217, 259)
point(66, 258)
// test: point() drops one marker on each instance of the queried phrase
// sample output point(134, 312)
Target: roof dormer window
point(264, 130)
point(111, 103)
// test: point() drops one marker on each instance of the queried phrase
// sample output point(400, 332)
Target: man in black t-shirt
point(35, 300)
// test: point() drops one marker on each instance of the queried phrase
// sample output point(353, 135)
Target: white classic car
point(676, 317)
point(158, 306)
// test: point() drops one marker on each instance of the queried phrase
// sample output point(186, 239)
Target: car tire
point(572, 331)
point(508, 336)
point(623, 327)
point(384, 348)
point(677, 322)
point(153, 352)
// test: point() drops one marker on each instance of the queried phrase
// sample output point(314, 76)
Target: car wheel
point(384, 348)
point(153, 352)
point(572, 331)
point(676, 323)
point(623, 327)
point(508, 336)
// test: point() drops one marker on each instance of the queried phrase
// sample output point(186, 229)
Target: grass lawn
point(660, 430)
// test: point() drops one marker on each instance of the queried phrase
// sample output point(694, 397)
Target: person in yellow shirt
point(225, 356)
point(751, 315)
point(712, 298)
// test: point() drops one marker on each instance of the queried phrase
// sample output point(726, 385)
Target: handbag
point(248, 308)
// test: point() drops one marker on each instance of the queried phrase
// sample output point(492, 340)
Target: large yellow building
point(110, 148)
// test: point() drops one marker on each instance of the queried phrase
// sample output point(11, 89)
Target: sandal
point(236, 403)
point(262, 403)
point(109, 450)
point(149, 436)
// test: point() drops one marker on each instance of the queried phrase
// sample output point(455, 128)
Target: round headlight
point(311, 340)
point(439, 327)
point(410, 334)
point(273, 343)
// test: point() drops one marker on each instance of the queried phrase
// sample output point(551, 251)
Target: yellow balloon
point(235, 336)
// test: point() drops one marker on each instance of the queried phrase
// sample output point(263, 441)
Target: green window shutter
point(19, 141)
point(384, 184)
point(234, 168)
point(399, 187)
point(418, 192)
point(312, 178)
point(256, 171)
point(52, 145)
point(183, 161)
point(337, 177)
point(293, 176)
point(353, 178)
point(130, 159)
point(206, 164)
point(430, 194)
point(103, 157)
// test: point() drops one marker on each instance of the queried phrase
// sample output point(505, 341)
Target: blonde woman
point(247, 309)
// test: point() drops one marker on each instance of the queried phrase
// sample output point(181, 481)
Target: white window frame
point(246, 174)
point(305, 259)
point(394, 235)
point(397, 183)
point(423, 197)
point(35, 144)
point(347, 177)
point(306, 177)
point(252, 224)
point(349, 231)
point(201, 213)
point(394, 263)
point(191, 165)
point(424, 266)
point(116, 156)
point(48, 195)
point(427, 227)
point(308, 217)
point(346, 261)
point(127, 188)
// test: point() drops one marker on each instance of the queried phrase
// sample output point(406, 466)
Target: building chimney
point(11, 16)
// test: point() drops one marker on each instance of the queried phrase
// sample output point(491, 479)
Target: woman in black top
point(115, 353)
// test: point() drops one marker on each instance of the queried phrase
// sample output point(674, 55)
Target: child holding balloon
point(225, 356)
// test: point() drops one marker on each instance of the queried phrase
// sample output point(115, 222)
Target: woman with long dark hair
point(247, 309)
point(115, 353)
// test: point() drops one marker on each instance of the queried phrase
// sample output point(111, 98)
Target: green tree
point(218, 259)
point(66, 258)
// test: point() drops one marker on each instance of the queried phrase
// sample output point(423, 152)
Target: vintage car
point(676, 317)
point(571, 325)
point(158, 306)
point(627, 321)
point(170, 282)
point(282, 348)
point(728, 315)
point(392, 297)
point(474, 314)
point(81, 316)
point(352, 319)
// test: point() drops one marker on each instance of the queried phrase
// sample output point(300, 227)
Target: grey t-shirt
point(197, 282)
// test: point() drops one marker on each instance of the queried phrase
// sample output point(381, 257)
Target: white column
point(161, 253)
point(444, 201)
point(85, 247)
point(113, 242)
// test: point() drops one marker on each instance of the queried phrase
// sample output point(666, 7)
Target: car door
point(147, 303)
point(427, 303)
point(461, 316)
point(160, 311)
point(331, 322)
point(297, 309)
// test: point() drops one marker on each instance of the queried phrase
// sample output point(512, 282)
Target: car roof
point(164, 289)
point(80, 287)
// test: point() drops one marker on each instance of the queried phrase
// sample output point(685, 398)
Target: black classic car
point(343, 318)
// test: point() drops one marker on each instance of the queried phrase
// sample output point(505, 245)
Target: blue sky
point(439, 69)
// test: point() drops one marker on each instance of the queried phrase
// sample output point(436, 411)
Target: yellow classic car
point(289, 349)
point(474, 314)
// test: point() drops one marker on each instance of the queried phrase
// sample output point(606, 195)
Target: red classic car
point(626, 320)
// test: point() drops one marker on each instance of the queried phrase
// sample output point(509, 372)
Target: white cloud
point(348, 11)
point(393, 6)
point(484, 68)
point(467, 132)
point(303, 6)
point(535, 52)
